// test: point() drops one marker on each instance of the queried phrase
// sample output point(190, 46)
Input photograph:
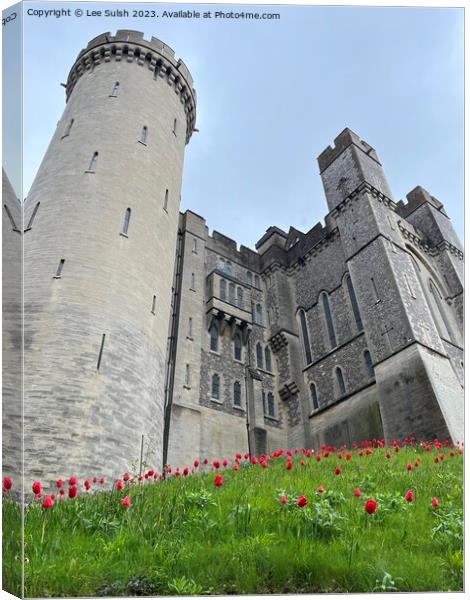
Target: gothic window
point(240, 297)
point(340, 386)
point(263, 398)
point(187, 376)
point(165, 201)
point(190, 327)
point(100, 353)
point(231, 293)
point(267, 359)
point(215, 387)
point(127, 218)
point(221, 264)
point(193, 282)
point(329, 320)
point(59, 268)
point(154, 304)
point(257, 283)
point(237, 394)
point(143, 135)
point(369, 365)
point(354, 304)
point(68, 128)
point(271, 411)
point(228, 267)
point(115, 90)
point(223, 289)
point(33, 215)
point(440, 317)
point(313, 397)
point(93, 161)
point(259, 356)
point(214, 335)
point(305, 337)
point(237, 347)
point(10, 218)
point(249, 277)
point(259, 314)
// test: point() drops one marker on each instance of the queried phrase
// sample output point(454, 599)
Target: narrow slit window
point(214, 338)
point(249, 278)
point(240, 297)
point(223, 289)
point(175, 125)
point(237, 394)
point(154, 305)
point(369, 365)
point(68, 129)
point(165, 201)
point(143, 135)
point(127, 219)
point(190, 327)
point(193, 282)
point(228, 267)
point(231, 293)
point(271, 408)
point(329, 320)
point(237, 347)
point(187, 377)
point(32, 217)
point(409, 286)
point(305, 337)
point(93, 161)
point(375, 291)
point(259, 356)
point(215, 387)
point(60, 268)
point(354, 304)
point(259, 314)
point(313, 397)
point(115, 90)
point(341, 387)
point(11, 219)
point(267, 359)
point(100, 354)
point(257, 281)
point(194, 246)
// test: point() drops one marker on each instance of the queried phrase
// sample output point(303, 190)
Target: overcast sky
point(273, 94)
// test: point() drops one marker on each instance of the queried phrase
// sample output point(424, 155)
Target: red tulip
point(434, 502)
point(247, 455)
point(357, 493)
point(338, 471)
point(254, 460)
point(288, 465)
point(216, 464)
point(397, 449)
point(320, 489)
point(102, 480)
point(95, 479)
point(59, 483)
point(302, 463)
point(126, 476)
point(238, 456)
point(301, 501)
point(7, 484)
point(370, 506)
point(36, 487)
point(61, 491)
point(87, 484)
point(126, 502)
point(451, 453)
point(72, 491)
point(409, 467)
point(388, 455)
point(53, 496)
point(348, 457)
point(119, 484)
point(196, 464)
point(436, 459)
point(47, 502)
point(235, 467)
point(283, 499)
point(73, 480)
point(409, 496)
point(218, 481)
point(185, 471)
point(206, 461)
point(37, 496)
point(340, 455)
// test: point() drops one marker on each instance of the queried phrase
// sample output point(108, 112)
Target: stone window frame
point(369, 365)
point(127, 220)
point(218, 400)
point(187, 377)
point(353, 303)
point(313, 409)
point(259, 356)
point(144, 135)
point(304, 334)
point(339, 393)
point(212, 339)
point(328, 320)
point(236, 406)
point(268, 353)
point(265, 398)
point(238, 336)
point(115, 91)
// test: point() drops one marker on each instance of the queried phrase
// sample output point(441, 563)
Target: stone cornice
point(154, 55)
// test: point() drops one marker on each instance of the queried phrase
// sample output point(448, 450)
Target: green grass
point(185, 536)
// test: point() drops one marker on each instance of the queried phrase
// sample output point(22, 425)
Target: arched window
point(237, 394)
point(237, 347)
point(440, 315)
point(267, 359)
point(221, 265)
point(249, 277)
point(305, 337)
point(127, 219)
point(259, 356)
point(313, 397)
point(270, 405)
point(354, 304)
point(340, 386)
point(33, 215)
point(231, 293)
point(228, 267)
point(223, 289)
point(214, 335)
point(215, 387)
point(93, 161)
point(329, 320)
point(68, 128)
point(240, 297)
point(143, 135)
point(165, 201)
point(115, 90)
point(369, 365)
point(257, 283)
point(259, 314)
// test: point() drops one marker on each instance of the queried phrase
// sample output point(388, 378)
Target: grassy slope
point(184, 535)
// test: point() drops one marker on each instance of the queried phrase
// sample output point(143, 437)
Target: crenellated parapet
point(154, 55)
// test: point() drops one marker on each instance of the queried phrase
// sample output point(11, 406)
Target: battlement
point(128, 45)
point(416, 198)
point(341, 142)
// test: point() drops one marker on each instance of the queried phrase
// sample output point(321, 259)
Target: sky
point(273, 94)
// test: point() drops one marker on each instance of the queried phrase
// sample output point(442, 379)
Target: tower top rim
point(131, 46)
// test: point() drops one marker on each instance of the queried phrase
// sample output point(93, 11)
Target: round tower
point(101, 225)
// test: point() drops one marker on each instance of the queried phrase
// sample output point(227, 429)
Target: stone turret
point(99, 254)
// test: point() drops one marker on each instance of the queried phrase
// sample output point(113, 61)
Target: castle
point(142, 332)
